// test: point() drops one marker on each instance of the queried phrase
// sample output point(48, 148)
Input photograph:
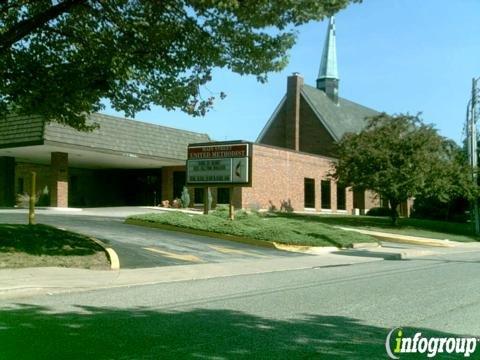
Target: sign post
point(215, 164)
point(205, 200)
point(32, 199)
point(231, 207)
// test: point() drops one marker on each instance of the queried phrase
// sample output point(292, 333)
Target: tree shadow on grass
point(326, 239)
point(385, 223)
point(44, 240)
point(341, 220)
point(33, 332)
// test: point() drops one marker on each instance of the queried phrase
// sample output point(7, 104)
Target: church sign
point(222, 163)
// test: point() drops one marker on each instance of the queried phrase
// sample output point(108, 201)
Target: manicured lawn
point(266, 227)
point(42, 245)
point(413, 227)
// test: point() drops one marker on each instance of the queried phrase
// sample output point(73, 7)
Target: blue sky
point(393, 55)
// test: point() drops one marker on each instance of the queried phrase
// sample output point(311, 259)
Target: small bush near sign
point(185, 197)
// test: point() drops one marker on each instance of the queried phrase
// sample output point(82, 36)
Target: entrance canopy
point(117, 143)
point(80, 157)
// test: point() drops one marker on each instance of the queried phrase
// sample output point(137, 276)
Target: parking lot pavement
point(139, 247)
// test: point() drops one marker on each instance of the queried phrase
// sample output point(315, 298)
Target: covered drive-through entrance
point(123, 162)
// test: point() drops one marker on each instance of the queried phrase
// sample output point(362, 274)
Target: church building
point(126, 162)
point(293, 154)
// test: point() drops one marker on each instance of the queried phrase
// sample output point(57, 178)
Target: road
point(140, 247)
point(342, 312)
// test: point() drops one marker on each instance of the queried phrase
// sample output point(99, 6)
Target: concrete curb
point(185, 211)
point(111, 254)
point(314, 250)
point(372, 245)
point(405, 239)
point(53, 208)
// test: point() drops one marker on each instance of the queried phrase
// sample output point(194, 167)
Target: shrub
point(379, 211)
point(43, 199)
point(23, 200)
point(185, 197)
point(221, 211)
point(430, 208)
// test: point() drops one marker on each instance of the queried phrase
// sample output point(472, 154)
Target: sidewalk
point(32, 281)
point(408, 239)
point(15, 283)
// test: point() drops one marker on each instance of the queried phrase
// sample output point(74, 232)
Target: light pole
point(472, 144)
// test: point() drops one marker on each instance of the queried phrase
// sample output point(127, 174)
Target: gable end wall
point(314, 137)
point(275, 134)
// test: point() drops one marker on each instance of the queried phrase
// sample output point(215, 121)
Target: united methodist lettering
point(218, 163)
point(217, 151)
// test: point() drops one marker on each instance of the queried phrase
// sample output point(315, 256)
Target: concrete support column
point(59, 179)
point(7, 181)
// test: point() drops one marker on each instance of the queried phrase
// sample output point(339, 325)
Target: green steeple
point(328, 79)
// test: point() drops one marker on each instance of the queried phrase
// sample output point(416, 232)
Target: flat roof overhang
point(84, 157)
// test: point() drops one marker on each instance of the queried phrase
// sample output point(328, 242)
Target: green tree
point(449, 184)
point(400, 157)
point(61, 59)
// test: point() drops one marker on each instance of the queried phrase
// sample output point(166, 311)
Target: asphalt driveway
point(139, 247)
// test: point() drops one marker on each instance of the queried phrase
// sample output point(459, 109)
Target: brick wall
point(292, 112)
point(59, 179)
point(278, 178)
point(314, 138)
point(167, 181)
point(275, 134)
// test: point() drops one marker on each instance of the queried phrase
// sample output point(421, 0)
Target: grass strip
point(43, 245)
point(263, 227)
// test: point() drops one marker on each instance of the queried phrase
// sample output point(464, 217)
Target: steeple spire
point(328, 79)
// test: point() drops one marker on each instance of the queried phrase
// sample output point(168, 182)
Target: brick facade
point(59, 179)
point(279, 176)
point(278, 180)
point(275, 133)
point(315, 139)
point(167, 181)
point(292, 113)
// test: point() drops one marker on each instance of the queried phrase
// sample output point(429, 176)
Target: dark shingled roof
point(20, 131)
point(115, 134)
point(339, 119)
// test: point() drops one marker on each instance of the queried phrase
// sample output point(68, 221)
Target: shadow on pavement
point(370, 254)
point(44, 240)
point(32, 332)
